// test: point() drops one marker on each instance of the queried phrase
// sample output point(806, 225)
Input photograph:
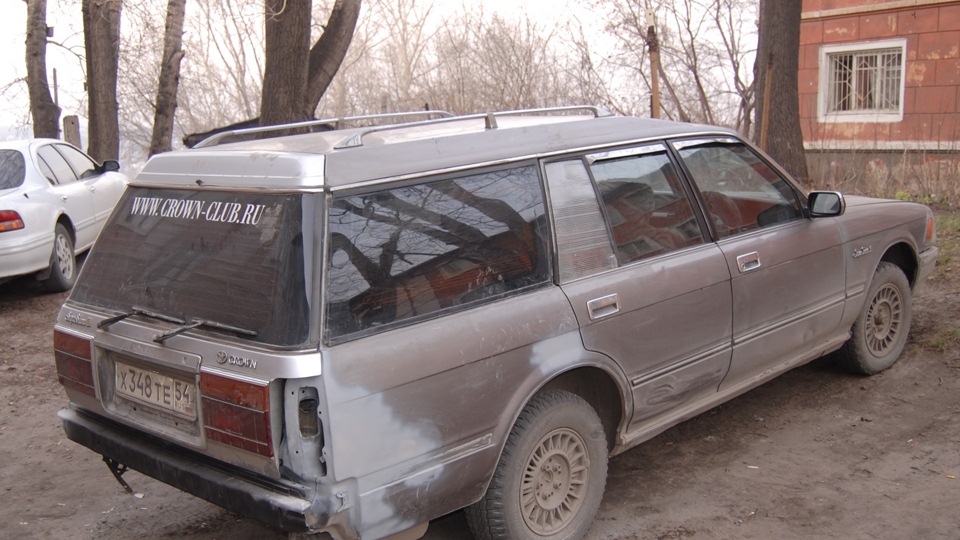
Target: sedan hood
point(858, 200)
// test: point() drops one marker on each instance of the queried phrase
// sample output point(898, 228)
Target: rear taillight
point(74, 361)
point(10, 221)
point(236, 413)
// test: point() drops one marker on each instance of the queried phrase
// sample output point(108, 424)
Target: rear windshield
point(228, 257)
point(12, 169)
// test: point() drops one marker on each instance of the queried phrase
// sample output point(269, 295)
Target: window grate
point(865, 81)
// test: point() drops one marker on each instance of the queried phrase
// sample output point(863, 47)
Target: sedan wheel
point(63, 262)
point(880, 332)
point(884, 320)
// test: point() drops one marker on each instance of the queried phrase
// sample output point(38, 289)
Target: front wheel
point(550, 478)
point(880, 332)
point(63, 262)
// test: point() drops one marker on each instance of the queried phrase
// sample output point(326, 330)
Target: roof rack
point(215, 139)
point(490, 121)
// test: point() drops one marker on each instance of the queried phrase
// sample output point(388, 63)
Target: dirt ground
point(815, 453)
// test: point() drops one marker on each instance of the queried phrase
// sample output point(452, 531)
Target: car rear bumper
point(280, 504)
point(24, 254)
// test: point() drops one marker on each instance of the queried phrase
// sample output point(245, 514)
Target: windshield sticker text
point(223, 212)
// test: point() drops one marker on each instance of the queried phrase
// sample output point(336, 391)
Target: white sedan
point(54, 199)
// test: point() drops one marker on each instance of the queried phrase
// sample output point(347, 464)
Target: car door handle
point(748, 262)
point(604, 306)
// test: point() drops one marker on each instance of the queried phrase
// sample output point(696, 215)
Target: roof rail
point(490, 121)
point(215, 139)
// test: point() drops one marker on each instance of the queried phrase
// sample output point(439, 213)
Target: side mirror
point(110, 165)
point(826, 203)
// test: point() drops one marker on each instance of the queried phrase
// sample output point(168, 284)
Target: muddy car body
point(357, 331)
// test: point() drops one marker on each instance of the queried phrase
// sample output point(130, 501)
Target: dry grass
point(923, 177)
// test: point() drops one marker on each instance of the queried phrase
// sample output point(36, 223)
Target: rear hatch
point(189, 312)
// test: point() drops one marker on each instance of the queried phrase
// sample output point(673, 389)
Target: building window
point(862, 82)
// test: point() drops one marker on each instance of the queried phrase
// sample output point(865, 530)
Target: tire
point(551, 475)
point(880, 332)
point(63, 262)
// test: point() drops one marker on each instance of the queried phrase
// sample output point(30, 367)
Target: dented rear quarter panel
point(418, 422)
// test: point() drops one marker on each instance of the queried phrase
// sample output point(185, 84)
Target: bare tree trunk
point(166, 107)
point(287, 35)
point(328, 52)
point(295, 76)
point(101, 36)
point(779, 42)
point(45, 113)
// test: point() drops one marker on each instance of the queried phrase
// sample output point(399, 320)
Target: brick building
point(879, 84)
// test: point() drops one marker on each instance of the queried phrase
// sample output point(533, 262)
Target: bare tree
point(730, 17)
point(166, 106)
point(224, 46)
point(287, 31)
point(778, 50)
point(703, 50)
point(101, 32)
point(406, 51)
point(45, 113)
point(491, 62)
point(295, 76)
point(328, 53)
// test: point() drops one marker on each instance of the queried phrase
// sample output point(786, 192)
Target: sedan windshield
point(234, 258)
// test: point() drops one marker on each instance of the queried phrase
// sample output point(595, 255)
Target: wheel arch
point(904, 256)
point(600, 390)
point(64, 219)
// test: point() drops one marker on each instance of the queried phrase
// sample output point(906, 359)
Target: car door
point(647, 288)
point(105, 187)
point(787, 270)
point(72, 195)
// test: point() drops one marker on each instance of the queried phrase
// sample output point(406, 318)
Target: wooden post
point(767, 84)
point(654, 48)
point(56, 87)
point(71, 130)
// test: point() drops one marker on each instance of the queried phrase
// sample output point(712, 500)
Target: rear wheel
point(880, 332)
point(550, 478)
point(63, 262)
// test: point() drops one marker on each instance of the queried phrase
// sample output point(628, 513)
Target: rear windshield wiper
point(107, 323)
point(197, 323)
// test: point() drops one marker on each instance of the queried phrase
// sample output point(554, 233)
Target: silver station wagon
point(358, 330)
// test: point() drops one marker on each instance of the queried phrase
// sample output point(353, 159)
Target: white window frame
point(826, 67)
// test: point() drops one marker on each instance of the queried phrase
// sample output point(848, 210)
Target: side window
point(58, 166)
point(401, 254)
point(83, 166)
point(741, 192)
point(647, 210)
point(47, 171)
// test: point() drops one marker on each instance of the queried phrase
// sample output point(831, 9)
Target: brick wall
point(931, 101)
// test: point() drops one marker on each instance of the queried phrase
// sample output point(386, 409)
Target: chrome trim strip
point(703, 355)
point(812, 312)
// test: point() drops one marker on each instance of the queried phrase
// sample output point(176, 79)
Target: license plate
point(156, 389)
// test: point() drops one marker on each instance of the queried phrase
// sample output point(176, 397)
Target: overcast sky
point(65, 17)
